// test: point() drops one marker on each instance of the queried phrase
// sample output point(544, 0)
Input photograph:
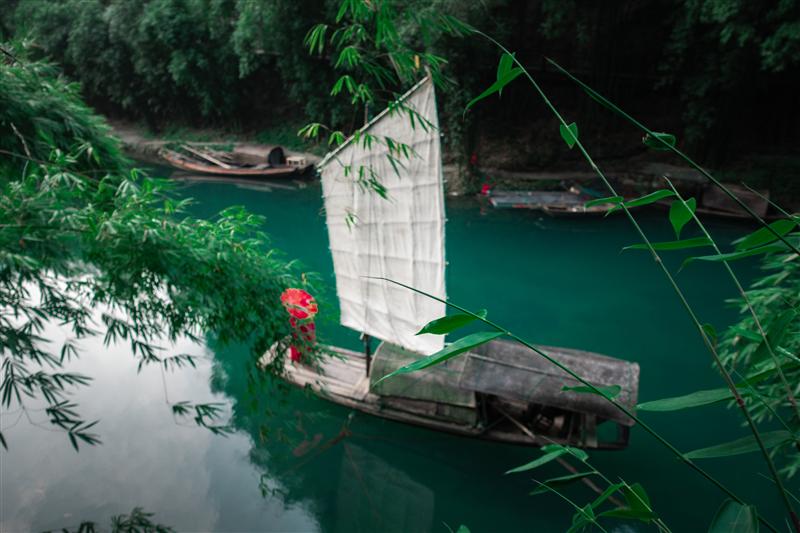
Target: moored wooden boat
point(715, 202)
point(497, 391)
point(554, 203)
point(210, 165)
point(500, 391)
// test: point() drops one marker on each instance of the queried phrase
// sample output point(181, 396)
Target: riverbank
point(639, 174)
point(140, 144)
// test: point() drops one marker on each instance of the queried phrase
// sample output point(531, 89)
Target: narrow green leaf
point(610, 490)
point(602, 201)
point(647, 199)
point(575, 452)
point(735, 256)
point(680, 213)
point(446, 324)
point(687, 401)
point(741, 446)
point(582, 517)
point(711, 333)
point(609, 391)
point(654, 141)
point(733, 517)
point(504, 65)
point(747, 334)
point(544, 459)
point(775, 334)
point(559, 482)
point(694, 242)
point(506, 73)
point(460, 346)
point(764, 236)
point(569, 134)
point(639, 507)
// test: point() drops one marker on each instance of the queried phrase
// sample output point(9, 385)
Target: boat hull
point(177, 161)
point(341, 378)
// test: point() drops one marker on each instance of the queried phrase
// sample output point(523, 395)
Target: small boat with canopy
point(500, 390)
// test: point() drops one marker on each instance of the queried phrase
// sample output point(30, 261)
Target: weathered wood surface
point(716, 201)
point(435, 384)
point(343, 380)
point(510, 370)
point(178, 161)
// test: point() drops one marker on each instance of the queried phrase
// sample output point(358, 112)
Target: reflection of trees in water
point(311, 452)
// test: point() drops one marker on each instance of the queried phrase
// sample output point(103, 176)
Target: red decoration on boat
point(302, 308)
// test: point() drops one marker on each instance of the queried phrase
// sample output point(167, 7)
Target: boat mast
point(367, 349)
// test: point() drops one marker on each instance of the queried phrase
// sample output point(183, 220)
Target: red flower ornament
point(302, 308)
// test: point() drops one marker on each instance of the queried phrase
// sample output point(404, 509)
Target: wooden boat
point(501, 391)
point(711, 201)
point(715, 202)
point(234, 165)
point(554, 203)
point(498, 391)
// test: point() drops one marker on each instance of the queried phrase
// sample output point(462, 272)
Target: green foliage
point(450, 323)
point(717, 46)
point(103, 250)
point(775, 297)
point(746, 444)
point(733, 517)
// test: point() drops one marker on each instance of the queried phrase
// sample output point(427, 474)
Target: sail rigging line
point(335, 152)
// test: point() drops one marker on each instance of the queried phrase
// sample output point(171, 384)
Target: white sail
point(399, 238)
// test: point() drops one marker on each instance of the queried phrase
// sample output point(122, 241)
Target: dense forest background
point(722, 74)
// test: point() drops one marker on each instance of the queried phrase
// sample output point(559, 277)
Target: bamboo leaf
point(610, 490)
point(575, 452)
point(544, 459)
point(609, 391)
point(775, 334)
point(733, 517)
point(687, 401)
point(735, 256)
point(506, 73)
point(552, 451)
point(656, 141)
point(639, 507)
point(559, 482)
point(741, 446)
point(447, 324)
point(569, 134)
point(646, 199)
point(694, 242)
point(711, 333)
point(460, 346)
point(680, 213)
point(764, 236)
point(504, 66)
point(602, 201)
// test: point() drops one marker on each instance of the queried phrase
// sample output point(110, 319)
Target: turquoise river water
point(288, 467)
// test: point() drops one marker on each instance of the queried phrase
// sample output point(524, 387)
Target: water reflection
point(289, 466)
